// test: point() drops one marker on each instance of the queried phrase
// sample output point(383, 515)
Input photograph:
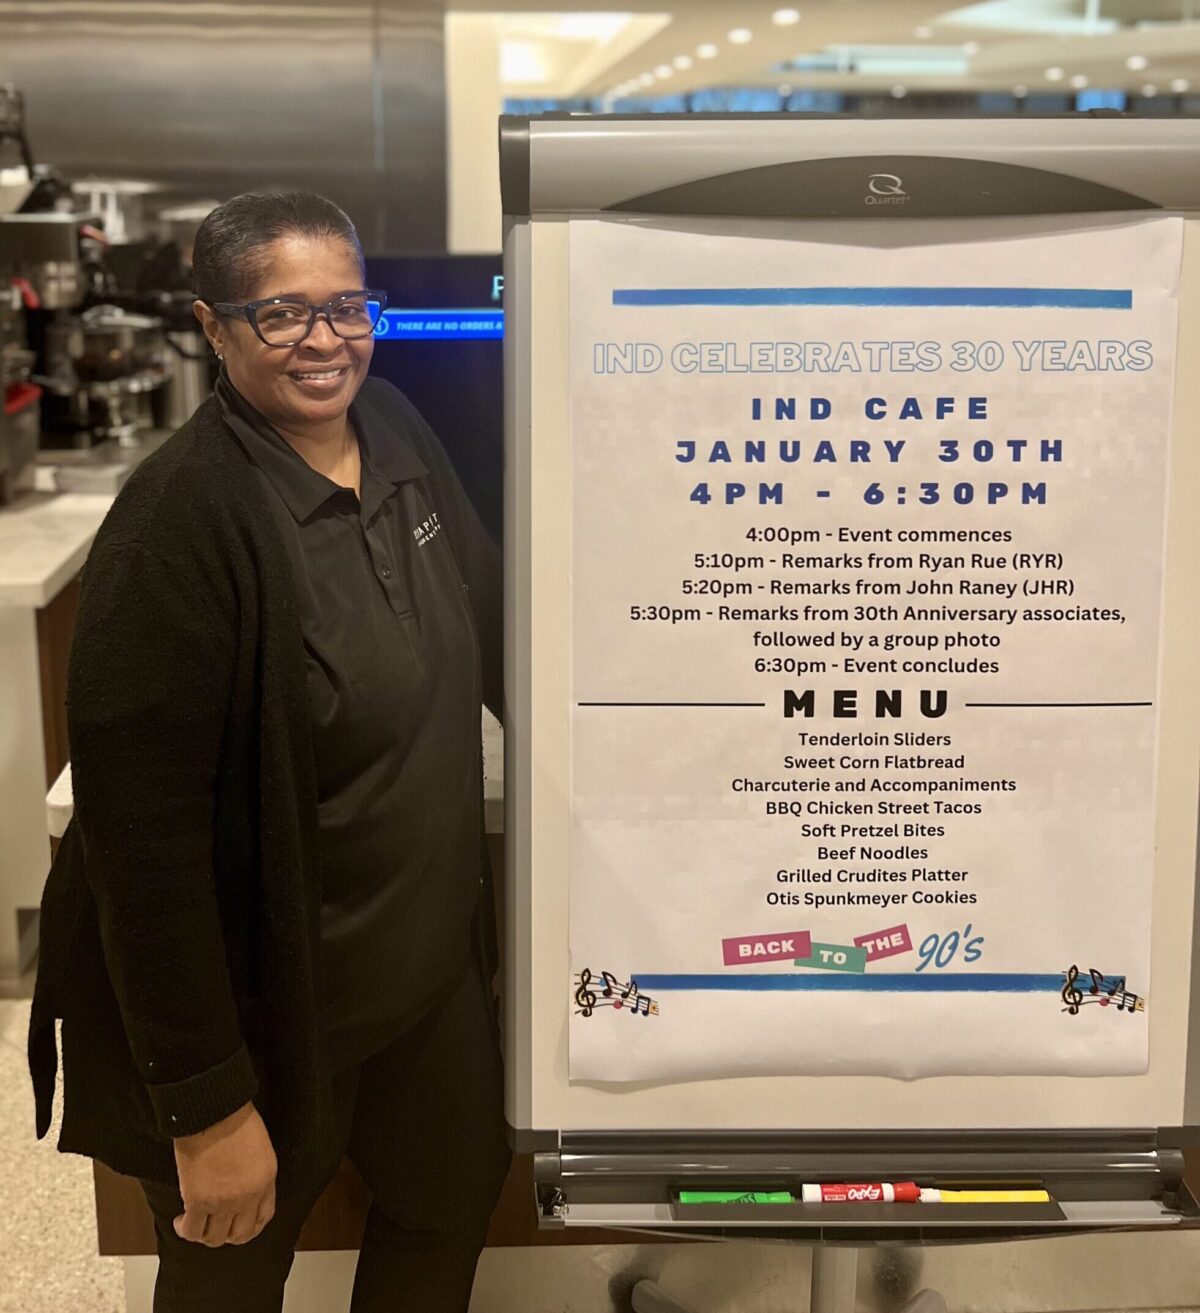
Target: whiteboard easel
point(607, 1154)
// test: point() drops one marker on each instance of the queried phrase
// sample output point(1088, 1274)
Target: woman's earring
point(220, 356)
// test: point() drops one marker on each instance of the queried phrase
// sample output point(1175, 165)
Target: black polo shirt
point(394, 699)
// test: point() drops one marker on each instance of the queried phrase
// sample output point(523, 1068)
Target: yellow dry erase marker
point(984, 1197)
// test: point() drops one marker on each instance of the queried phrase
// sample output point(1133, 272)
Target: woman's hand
point(227, 1180)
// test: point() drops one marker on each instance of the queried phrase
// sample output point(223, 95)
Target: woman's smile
point(320, 381)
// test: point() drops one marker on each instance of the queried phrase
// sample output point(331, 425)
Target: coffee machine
point(94, 362)
point(194, 365)
point(99, 318)
point(20, 414)
point(102, 356)
point(90, 279)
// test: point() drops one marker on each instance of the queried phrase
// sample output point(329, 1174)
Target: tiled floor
point(49, 1264)
point(48, 1260)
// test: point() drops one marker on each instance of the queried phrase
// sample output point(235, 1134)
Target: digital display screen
point(433, 325)
point(440, 343)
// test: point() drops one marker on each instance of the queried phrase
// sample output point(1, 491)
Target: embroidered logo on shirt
point(427, 530)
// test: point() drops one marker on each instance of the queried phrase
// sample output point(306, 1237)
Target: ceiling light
point(971, 47)
point(1079, 81)
point(1149, 89)
point(923, 33)
point(785, 17)
point(522, 61)
point(739, 36)
point(1180, 85)
point(1020, 91)
point(646, 80)
point(664, 71)
point(590, 27)
point(1136, 63)
point(899, 92)
point(682, 61)
point(707, 50)
point(1054, 74)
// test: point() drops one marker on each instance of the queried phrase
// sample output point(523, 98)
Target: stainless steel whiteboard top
point(802, 166)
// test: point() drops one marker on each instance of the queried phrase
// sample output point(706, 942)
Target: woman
point(268, 930)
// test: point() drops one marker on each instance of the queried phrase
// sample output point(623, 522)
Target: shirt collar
point(386, 456)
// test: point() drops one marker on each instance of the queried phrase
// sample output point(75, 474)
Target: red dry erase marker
point(874, 1192)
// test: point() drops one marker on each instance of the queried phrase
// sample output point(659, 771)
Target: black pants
point(423, 1122)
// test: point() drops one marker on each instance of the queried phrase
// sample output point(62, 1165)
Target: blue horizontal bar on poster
point(440, 326)
point(1062, 298)
point(895, 982)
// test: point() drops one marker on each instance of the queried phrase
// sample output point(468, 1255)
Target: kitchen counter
point(44, 540)
point(45, 536)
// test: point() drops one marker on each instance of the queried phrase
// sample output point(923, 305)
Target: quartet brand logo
point(885, 189)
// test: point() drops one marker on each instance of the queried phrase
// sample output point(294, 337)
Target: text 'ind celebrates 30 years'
point(867, 560)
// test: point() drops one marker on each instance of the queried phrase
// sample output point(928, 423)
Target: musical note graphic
point(613, 993)
point(1071, 996)
point(1102, 990)
point(625, 991)
point(1111, 988)
point(585, 997)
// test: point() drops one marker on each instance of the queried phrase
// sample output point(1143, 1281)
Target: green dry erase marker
point(732, 1197)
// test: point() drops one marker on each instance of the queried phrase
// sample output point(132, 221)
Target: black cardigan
point(180, 922)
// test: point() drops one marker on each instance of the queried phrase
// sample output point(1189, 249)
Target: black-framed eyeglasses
point(287, 320)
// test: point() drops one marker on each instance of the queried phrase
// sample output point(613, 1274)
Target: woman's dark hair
point(230, 257)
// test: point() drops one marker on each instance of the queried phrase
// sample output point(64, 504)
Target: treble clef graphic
point(1071, 996)
point(585, 997)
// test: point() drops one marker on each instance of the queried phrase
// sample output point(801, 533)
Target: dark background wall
point(338, 96)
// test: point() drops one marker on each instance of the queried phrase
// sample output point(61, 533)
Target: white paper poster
point(868, 526)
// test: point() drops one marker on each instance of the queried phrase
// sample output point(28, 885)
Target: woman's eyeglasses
point(288, 320)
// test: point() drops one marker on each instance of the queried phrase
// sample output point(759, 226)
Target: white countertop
point(60, 804)
point(44, 540)
point(493, 774)
point(45, 535)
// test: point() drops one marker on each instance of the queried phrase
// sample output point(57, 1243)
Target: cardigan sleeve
point(149, 686)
